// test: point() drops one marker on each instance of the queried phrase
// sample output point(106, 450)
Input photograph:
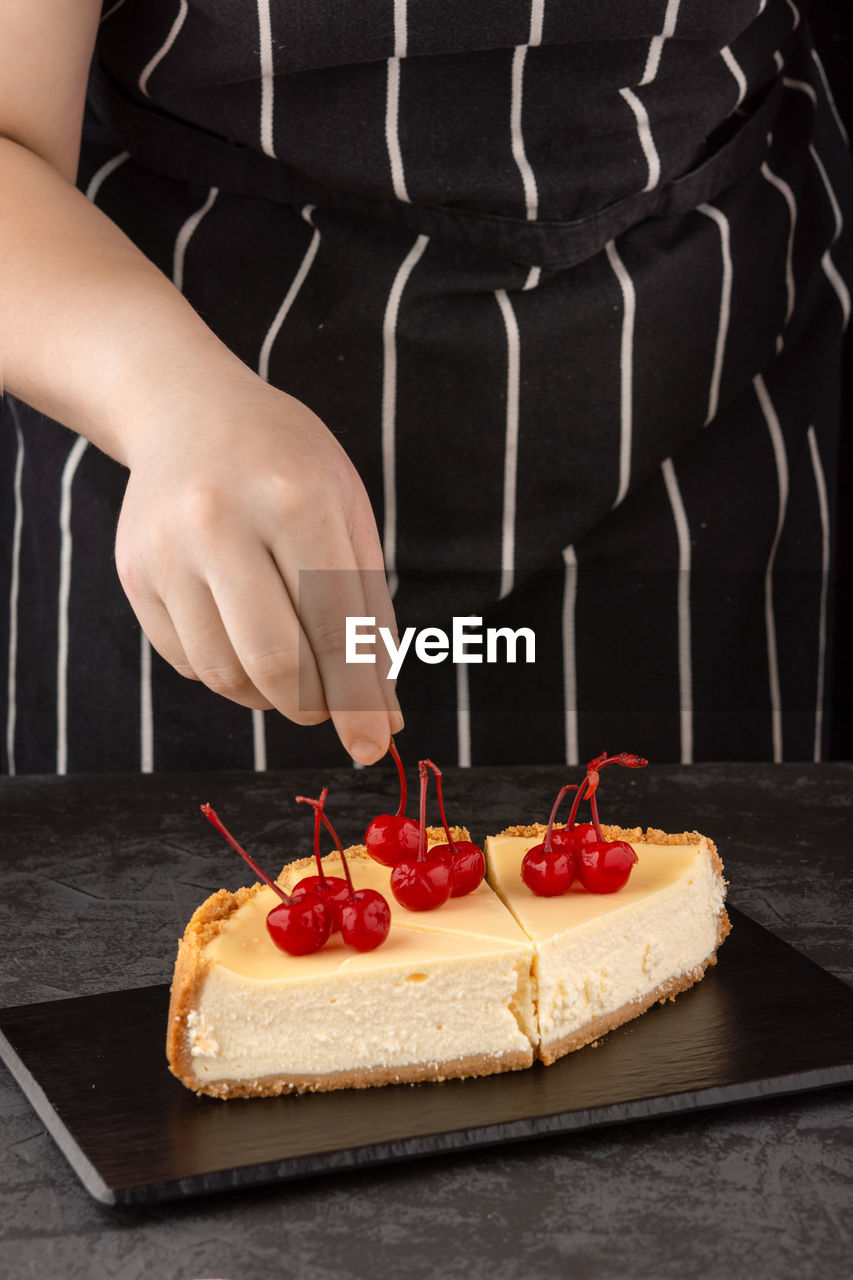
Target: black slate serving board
point(765, 1021)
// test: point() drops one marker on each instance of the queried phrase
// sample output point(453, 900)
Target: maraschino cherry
point(392, 837)
point(585, 832)
point(333, 890)
point(421, 883)
point(605, 865)
point(549, 868)
point(465, 859)
point(365, 916)
point(602, 866)
point(297, 925)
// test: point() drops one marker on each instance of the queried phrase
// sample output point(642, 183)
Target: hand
point(233, 491)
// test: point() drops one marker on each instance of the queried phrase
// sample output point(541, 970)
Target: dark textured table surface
point(99, 876)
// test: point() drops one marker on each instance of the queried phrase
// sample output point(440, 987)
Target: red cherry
point(421, 884)
point(548, 874)
point(298, 926)
point(329, 889)
point(604, 867)
point(571, 840)
point(562, 838)
point(465, 859)
point(301, 925)
point(548, 869)
point(392, 837)
point(332, 890)
point(365, 920)
point(573, 837)
point(389, 838)
point(365, 916)
point(467, 865)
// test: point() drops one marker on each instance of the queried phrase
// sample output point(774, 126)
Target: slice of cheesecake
point(446, 995)
point(602, 959)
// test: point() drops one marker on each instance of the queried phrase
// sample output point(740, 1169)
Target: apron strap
point(188, 153)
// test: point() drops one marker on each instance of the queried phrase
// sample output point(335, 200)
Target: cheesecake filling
point(596, 954)
point(427, 995)
point(386, 1018)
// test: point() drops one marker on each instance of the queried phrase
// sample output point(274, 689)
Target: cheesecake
point(602, 959)
point(488, 982)
point(448, 994)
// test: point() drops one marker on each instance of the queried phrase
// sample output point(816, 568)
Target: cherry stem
point(574, 810)
point(624, 758)
point(429, 764)
point(424, 777)
point(211, 816)
point(594, 807)
point(320, 816)
point(333, 833)
point(317, 806)
point(399, 763)
point(570, 786)
point(599, 762)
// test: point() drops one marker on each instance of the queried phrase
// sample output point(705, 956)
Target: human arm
point(234, 486)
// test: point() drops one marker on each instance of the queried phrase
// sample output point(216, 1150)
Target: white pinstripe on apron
point(595, 396)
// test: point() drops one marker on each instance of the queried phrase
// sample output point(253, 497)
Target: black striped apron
point(569, 286)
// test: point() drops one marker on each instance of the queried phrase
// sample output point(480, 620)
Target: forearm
point(91, 333)
point(234, 486)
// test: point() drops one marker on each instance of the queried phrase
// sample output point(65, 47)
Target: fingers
point(377, 604)
point(353, 692)
point(211, 559)
point(251, 608)
point(213, 660)
point(241, 636)
point(373, 591)
point(211, 656)
point(154, 620)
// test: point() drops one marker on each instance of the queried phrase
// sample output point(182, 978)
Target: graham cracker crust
point(412, 1073)
point(634, 835)
point(190, 970)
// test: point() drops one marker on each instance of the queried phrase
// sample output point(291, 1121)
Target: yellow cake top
point(658, 867)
